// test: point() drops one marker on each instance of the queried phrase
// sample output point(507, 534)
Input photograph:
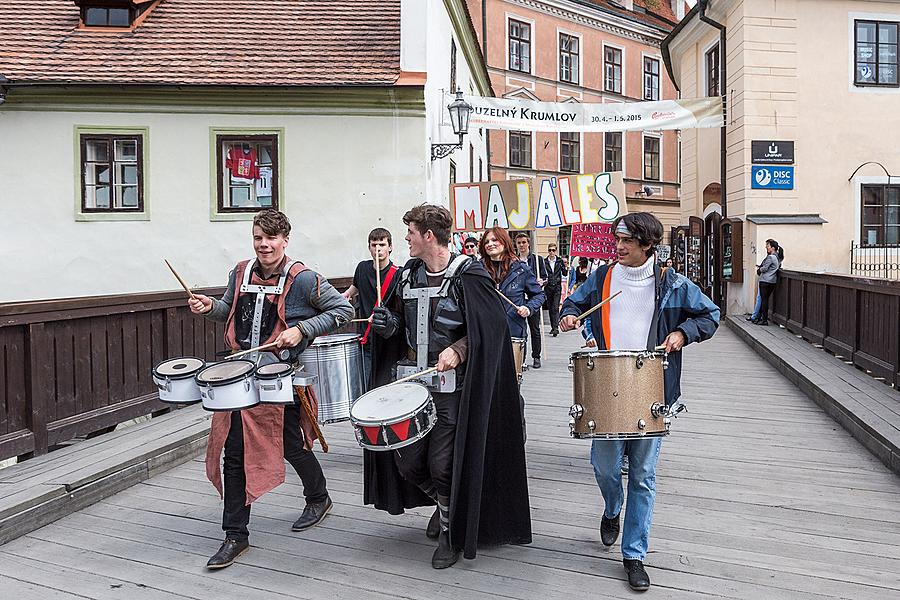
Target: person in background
point(768, 277)
point(578, 274)
point(470, 247)
point(538, 265)
point(556, 266)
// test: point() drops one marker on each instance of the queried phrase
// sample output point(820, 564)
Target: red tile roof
point(207, 42)
point(658, 12)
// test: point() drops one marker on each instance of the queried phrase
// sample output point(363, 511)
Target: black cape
point(489, 490)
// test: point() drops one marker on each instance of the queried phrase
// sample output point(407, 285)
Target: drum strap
point(654, 323)
point(384, 289)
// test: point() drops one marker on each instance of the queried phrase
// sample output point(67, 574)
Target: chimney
point(678, 9)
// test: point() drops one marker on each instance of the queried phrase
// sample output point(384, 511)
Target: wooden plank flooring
point(760, 495)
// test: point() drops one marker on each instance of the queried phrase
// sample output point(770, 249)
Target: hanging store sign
point(772, 178)
point(772, 152)
point(538, 203)
point(530, 115)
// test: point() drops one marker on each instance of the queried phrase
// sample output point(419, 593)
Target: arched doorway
point(712, 218)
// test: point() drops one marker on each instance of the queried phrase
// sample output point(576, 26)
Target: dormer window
point(111, 13)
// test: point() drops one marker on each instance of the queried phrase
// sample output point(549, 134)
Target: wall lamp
point(460, 111)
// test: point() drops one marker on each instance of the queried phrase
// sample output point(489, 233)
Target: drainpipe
point(723, 79)
point(484, 48)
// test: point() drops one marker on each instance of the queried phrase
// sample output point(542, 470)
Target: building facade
point(815, 83)
point(584, 51)
point(131, 134)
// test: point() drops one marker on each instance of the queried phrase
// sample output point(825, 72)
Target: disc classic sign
point(538, 203)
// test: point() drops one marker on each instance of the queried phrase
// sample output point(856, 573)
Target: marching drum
point(175, 380)
point(275, 382)
point(518, 345)
point(228, 385)
point(393, 416)
point(618, 395)
point(337, 361)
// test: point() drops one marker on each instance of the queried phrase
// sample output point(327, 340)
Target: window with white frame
point(520, 149)
point(651, 78)
point(569, 152)
point(880, 215)
point(519, 46)
point(568, 58)
point(247, 167)
point(612, 69)
point(612, 151)
point(651, 158)
point(112, 173)
point(875, 56)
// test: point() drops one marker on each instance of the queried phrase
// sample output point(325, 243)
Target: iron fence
point(875, 261)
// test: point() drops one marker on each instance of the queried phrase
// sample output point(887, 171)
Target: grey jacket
point(768, 270)
point(311, 301)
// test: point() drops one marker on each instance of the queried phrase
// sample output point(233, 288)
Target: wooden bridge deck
point(760, 495)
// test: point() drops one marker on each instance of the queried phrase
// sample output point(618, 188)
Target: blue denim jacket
point(680, 306)
point(521, 286)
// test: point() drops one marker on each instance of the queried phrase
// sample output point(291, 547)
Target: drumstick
point(307, 408)
point(414, 375)
point(243, 352)
point(502, 295)
point(180, 280)
point(377, 263)
point(590, 310)
point(660, 347)
point(358, 320)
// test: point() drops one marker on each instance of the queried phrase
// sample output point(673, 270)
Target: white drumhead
point(229, 370)
point(275, 369)
point(337, 338)
point(389, 401)
point(179, 367)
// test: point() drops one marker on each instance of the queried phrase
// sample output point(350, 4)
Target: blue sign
point(774, 177)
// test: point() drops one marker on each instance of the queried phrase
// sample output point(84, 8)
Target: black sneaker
point(228, 552)
point(444, 555)
point(609, 530)
point(637, 576)
point(536, 363)
point(312, 514)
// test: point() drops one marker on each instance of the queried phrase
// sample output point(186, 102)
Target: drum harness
point(261, 291)
point(445, 381)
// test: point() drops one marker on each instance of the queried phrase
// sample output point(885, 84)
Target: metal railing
point(875, 261)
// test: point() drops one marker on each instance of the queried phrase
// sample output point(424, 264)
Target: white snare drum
point(175, 380)
point(275, 383)
point(393, 416)
point(228, 385)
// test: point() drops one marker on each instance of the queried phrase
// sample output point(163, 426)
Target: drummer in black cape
point(290, 305)
point(656, 307)
point(472, 463)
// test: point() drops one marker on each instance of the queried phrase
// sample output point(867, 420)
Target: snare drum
point(337, 361)
point(275, 383)
point(618, 395)
point(518, 345)
point(228, 385)
point(393, 416)
point(175, 380)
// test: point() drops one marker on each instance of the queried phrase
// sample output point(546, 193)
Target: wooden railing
point(854, 317)
point(78, 366)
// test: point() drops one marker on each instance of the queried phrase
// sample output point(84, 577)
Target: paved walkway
point(761, 495)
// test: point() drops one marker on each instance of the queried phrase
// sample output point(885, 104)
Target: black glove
point(384, 322)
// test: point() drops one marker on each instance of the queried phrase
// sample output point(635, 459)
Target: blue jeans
point(606, 457)
point(758, 305)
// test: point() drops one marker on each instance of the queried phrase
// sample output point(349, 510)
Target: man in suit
point(541, 270)
point(556, 269)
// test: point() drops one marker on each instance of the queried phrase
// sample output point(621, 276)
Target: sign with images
point(593, 240)
point(663, 252)
point(772, 178)
point(772, 152)
point(538, 203)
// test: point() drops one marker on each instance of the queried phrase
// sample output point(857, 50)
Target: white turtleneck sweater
point(631, 313)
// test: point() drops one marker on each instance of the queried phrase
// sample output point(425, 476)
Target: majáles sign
point(538, 203)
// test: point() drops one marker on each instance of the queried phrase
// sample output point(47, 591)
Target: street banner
point(538, 202)
point(529, 115)
point(593, 240)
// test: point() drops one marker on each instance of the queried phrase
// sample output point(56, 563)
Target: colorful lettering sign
point(538, 203)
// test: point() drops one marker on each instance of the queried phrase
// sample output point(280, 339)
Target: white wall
point(342, 175)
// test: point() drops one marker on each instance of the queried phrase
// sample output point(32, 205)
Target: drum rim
point(619, 436)
point(255, 404)
point(394, 420)
point(290, 370)
point(615, 353)
point(321, 341)
point(185, 375)
point(227, 380)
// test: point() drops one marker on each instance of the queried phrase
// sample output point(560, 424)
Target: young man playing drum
point(269, 299)
point(472, 463)
point(654, 308)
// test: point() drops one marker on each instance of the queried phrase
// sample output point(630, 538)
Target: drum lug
point(639, 363)
point(642, 424)
point(590, 364)
point(665, 361)
point(576, 412)
point(658, 410)
point(571, 367)
point(247, 384)
point(592, 425)
point(667, 422)
point(571, 427)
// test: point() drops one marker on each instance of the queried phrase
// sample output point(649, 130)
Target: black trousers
point(534, 323)
point(429, 461)
point(236, 514)
point(552, 304)
point(765, 292)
